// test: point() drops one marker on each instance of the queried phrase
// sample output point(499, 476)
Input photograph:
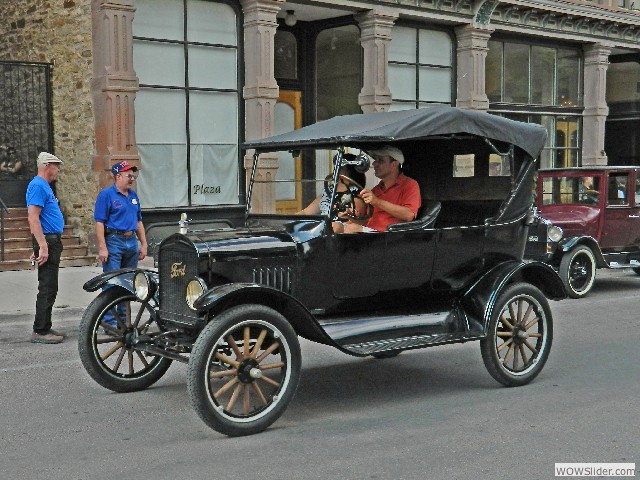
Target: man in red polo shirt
point(395, 199)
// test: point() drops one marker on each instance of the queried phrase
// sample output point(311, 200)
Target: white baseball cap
point(388, 151)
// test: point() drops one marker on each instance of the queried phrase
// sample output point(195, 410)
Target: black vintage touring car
point(231, 303)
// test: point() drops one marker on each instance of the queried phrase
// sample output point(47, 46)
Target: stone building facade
point(123, 72)
point(60, 33)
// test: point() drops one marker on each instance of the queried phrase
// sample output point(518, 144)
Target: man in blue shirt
point(119, 227)
point(46, 224)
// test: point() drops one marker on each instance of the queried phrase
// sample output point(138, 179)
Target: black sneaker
point(48, 337)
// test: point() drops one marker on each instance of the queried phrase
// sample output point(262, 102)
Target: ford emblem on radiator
point(178, 270)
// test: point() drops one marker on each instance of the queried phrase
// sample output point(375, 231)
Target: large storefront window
point(540, 84)
point(338, 71)
point(622, 129)
point(420, 68)
point(187, 118)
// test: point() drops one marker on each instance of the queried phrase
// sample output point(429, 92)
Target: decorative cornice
point(567, 19)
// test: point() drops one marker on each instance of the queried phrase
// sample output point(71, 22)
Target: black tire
point(522, 313)
point(227, 364)
point(109, 358)
point(578, 271)
point(636, 270)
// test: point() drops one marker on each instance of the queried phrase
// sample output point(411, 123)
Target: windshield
point(583, 190)
point(302, 184)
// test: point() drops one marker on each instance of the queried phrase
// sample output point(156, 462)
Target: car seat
point(427, 214)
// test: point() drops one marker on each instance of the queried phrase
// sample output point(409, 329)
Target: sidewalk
point(18, 290)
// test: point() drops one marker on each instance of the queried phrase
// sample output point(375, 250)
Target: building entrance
point(25, 126)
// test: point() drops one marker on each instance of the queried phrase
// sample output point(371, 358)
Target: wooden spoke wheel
point(519, 336)
point(244, 370)
point(107, 352)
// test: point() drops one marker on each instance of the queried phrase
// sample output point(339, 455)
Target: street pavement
point(428, 414)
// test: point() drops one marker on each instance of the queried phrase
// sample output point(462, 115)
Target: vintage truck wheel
point(107, 353)
point(578, 271)
point(244, 370)
point(519, 336)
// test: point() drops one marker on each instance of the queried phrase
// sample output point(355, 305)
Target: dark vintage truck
point(587, 218)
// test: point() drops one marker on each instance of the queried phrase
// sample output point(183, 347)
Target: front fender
point(222, 297)
point(121, 278)
point(568, 244)
point(480, 299)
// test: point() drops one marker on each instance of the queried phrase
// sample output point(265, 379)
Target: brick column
point(260, 93)
point(113, 86)
point(596, 62)
point(472, 53)
point(375, 36)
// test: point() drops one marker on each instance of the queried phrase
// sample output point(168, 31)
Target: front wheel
point(578, 271)
point(244, 370)
point(107, 352)
point(519, 336)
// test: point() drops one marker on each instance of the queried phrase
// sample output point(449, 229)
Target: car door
point(408, 258)
point(618, 212)
point(634, 214)
point(358, 269)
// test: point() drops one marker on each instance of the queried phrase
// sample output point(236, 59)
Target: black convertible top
point(387, 127)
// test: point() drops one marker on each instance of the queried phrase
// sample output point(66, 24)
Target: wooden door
point(288, 117)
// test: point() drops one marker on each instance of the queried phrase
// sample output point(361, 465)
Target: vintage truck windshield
point(570, 190)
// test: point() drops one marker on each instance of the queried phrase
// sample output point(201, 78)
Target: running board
point(406, 343)
point(401, 329)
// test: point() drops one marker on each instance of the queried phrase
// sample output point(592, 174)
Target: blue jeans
point(123, 253)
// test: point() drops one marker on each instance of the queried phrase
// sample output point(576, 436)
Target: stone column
point(260, 93)
point(472, 53)
point(113, 86)
point(375, 36)
point(596, 62)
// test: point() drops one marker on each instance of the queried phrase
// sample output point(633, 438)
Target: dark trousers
point(47, 283)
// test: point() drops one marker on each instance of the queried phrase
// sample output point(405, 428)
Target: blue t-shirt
point(116, 211)
point(39, 193)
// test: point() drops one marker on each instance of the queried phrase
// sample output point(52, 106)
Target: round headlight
point(195, 288)
point(554, 233)
point(141, 286)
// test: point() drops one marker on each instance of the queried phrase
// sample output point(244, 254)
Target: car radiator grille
point(177, 268)
point(279, 278)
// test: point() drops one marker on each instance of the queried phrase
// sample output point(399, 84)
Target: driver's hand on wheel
point(368, 197)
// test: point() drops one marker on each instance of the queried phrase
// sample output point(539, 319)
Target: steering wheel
point(590, 196)
point(346, 200)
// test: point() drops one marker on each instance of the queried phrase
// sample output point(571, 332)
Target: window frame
point(556, 112)
point(187, 89)
point(452, 68)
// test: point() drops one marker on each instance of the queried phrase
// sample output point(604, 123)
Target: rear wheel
point(519, 336)
point(578, 271)
point(107, 352)
point(244, 370)
point(636, 270)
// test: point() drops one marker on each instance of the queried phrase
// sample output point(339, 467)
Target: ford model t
point(232, 302)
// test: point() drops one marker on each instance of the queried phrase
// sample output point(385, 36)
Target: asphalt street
point(427, 414)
